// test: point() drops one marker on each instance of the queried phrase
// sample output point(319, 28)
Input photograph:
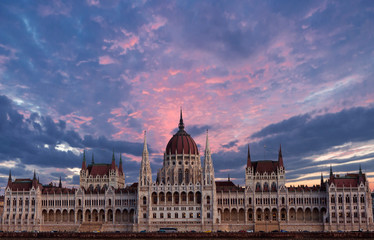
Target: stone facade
point(186, 196)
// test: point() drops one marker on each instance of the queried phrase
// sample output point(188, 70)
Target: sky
point(94, 75)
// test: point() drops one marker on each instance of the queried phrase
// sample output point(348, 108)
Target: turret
point(360, 176)
point(120, 164)
point(60, 183)
point(34, 180)
point(10, 179)
point(249, 163)
point(84, 166)
point(208, 164)
point(145, 174)
point(280, 157)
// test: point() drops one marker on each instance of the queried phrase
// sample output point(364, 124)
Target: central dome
point(181, 142)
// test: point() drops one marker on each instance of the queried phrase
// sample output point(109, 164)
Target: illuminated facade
point(186, 196)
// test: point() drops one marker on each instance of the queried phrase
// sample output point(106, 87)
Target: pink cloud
point(76, 120)
point(104, 60)
point(126, 44)
point(55, 8)
point(93, 2)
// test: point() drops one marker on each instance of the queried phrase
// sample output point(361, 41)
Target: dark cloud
point(195, 130)
point(307, 134)
point(33, 141)
point(230, 144)
point(304, 136)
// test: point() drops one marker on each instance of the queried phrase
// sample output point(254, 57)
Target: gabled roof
point(263, 166)
point(98, 169)
point(21, 184)
point(226, 186)
point(348, 180)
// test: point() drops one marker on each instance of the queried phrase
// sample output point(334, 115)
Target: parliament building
point(186, 196)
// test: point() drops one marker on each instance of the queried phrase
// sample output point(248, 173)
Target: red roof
point(349, 180)
point(99, 169)
point(265, 166)
point(181, 142)
point(226, 186)
point(21, 184)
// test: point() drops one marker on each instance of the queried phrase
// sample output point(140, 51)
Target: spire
point(249, 163)
point(181, 124)
point(10, 179)
point(145, 148)
point(84, 166)
point(60, 184)
point(321, 179)
point(145, 174)
point(207, 148)
point(280, 157)
point(208, 164)
point(331, 171)
point(360, 176)
point(113, 161)
point(120, 163)
point(93, 159)
point(34, 178)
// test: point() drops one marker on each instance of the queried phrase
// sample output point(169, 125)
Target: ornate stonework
point(186, 196)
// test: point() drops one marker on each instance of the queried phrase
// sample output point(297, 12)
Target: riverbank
point(189, 235)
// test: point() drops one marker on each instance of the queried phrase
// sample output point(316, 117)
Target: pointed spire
point(93, 159)
point(207, 148)
point(181, 124)
point(34, 178)
point(280, 157)
point(145, 174)
point(360, 176)
point(228, 177)
point(249, 163)
point(331, 171)
point(113, 161)
point(321, 179)
point(60, 183)
point(145, 148)
point(10, 179)
point(120, 163)
point(84, 166)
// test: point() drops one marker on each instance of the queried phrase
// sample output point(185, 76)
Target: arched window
point(187, 176)
point(258, 186)
point(283, 200)
point(266, 186)
point(332, 199)
point(347, 199)
point(362, 199)
point(250, 201)
point(273, 187)
point(340, 199)
point(208, 200)
point(180, 176)
point(354, 199)
point(144, 200)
